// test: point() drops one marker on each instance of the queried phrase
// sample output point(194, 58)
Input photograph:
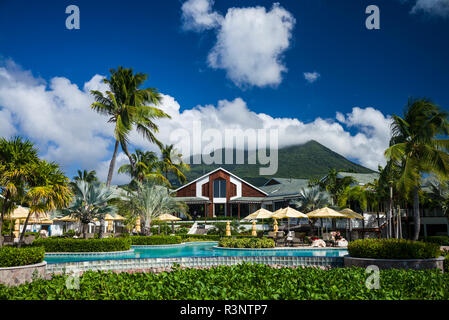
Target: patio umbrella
point(169, 217)
point(288, 213)
point(352, 214)
point(259, 214)
point(110, 219)
point(326, 212)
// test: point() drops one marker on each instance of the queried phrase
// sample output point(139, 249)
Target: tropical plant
point(335, 185)
point(25, 179)
point(90, 176)
point(416, 150)
point(311, 199)
point(16, 157)
point(353, 194)
point(146, 168)
point(438, 194)
point(91, 200)
point(148, 203)
point(126, 106)
point(171, 162)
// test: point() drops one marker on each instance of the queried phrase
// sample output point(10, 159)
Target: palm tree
point(146, 168)
point(90, 176)
point(16, 159)
point(47, 189)
point(416, 149)
point(356, 194)
point(335, 185)
point(126, 106)
point(438, 194)
point(171, 162)
point(91, 200)
point(149, 202)
point(311, 199)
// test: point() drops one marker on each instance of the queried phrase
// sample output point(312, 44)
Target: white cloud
point(311, 77)
point(250, 41)
point(439, 8)
point(56, 116)
point(367, 145)
point(197, 15)
point(102, 169)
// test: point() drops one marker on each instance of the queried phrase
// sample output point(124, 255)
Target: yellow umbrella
point(117, 217)
point(67, 218)
point(352, 214)
point(288, 213)
point(168, 217)
point(326, 213)
point(259, 214)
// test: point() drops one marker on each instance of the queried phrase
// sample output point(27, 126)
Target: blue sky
point(374, 70)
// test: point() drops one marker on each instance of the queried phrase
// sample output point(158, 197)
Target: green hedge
point(441, 240)
point(393, 249)
point(246, 243)
point(83, 245)
point(14, 257)
point(154, 240)
point(240, 282)
point(210, 237)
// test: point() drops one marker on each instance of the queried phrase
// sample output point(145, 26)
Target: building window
point(220, 188)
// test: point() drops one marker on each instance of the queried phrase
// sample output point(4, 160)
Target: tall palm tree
point(127, 107)
point(17, 157)
point(47, 189)
point(334, 184)
point(91, 200)
point(311, 199)
point(146, 167)
point(149, 202)
point(90, 176)
point(415, 147)
point(171, 162)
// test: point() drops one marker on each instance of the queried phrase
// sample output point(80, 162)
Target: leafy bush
point(36, 234)
point(83, 245)
point(246, 243)
point(240, 282)
point(393, 249)
point(445, 254)
point(154, 240)
point(441, 240)
point(182, 230)
point(14, 257)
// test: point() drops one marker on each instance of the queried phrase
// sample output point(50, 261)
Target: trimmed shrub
point(154, 240)
point(246, 243)
point(210, 237)
point(441, 240)
point(393, 249)
point(239, 282)
point(14, 257)
point(83, 245)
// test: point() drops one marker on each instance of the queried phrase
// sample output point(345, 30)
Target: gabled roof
point(218, 169)
point(285, 186)
point(362, 178)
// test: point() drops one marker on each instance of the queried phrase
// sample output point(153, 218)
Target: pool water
point(205, 249)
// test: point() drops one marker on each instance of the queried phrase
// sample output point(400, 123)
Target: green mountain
point(309, 160)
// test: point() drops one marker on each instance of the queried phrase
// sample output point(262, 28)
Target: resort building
point(221, 193)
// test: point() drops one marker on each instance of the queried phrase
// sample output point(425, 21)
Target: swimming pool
point(195, 249)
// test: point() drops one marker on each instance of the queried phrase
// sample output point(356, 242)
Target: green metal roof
point(362, 178)
point(285, 187)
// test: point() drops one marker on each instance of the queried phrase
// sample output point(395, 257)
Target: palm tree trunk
point(112, 164)
point(417, 218)
point(24, 230)
point(5, 200)
point(100, 231)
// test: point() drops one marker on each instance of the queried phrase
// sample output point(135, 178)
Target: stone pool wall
point(416, 264)
point(14, 276)
point(160, 263)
